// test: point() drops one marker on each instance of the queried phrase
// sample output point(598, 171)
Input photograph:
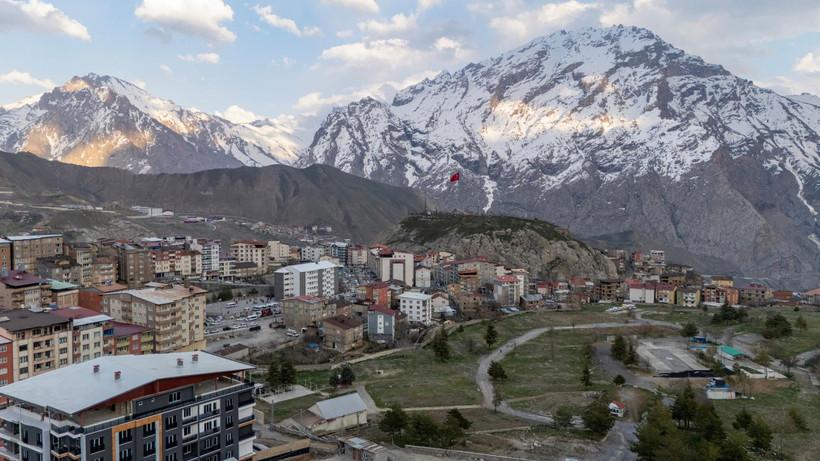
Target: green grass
point(773, 407)
point(799, 341)
point(290, 408)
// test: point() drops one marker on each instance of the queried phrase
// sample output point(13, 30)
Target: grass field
point(799, 341)
point(773, 407)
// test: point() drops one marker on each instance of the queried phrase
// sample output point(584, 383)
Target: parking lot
point(240, 321)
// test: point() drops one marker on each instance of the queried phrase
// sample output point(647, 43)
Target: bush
point(777, 327)
point(597, 418)
point(619, 380)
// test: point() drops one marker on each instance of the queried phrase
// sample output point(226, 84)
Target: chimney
point(96, 368)
point(196, 358)
point(179, 362)
point(117, 375)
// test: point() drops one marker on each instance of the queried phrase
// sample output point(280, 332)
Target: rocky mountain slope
point(610, 132)
point(535, 245)
point(280, 194)
point(98, 120)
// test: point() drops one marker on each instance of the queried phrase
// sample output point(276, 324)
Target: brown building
point(134, 266)
point(303, 311)
point(64, 294)
point(26, 249)
point(91, 297)
point(103, 270)
point(84, 254)
point(23, 290)
point(755, 295)
point(723, 281)
point(62, 268)
point(6, 361)
point(720, 295)
point(42, 341)
point(607, 290)
point(343, 333)
point(375, 292)
point(5, 255)
point(128, 339)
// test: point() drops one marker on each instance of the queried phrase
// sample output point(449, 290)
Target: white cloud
point(166, 68)
point(210, 58)
point(237, 114)
point(525, 24)
point(140, 84)
point(202, 18)
point(365, 6)
point(427, 4)
point(452, 47)
point(315, 102)
point(399, 23)
point(392, 53)
point(809, 63)
point(289, 25)
point(347, 33)
point(283, 62)
point(39, 16)
point(16, 77)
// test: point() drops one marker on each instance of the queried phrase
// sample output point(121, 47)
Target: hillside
point(279, 194)
point(540, 247)
point(609, 132)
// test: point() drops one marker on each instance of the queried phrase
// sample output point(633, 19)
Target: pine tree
point(685, 407)
point(563, 417)
point(496, 371)
point(586, 375)
point(346, 377)
point(394, 421)
point(743, 419)
point(490, 336)
point(287, 374)
point(440, 347)
point(274, 377)
point(619, 348)
point(760, 435)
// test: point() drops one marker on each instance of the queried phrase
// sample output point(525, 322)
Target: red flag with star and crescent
point(455, 177)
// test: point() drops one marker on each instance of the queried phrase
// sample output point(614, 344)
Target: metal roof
point(306, 267)
point(76, 387)
point(336, 407)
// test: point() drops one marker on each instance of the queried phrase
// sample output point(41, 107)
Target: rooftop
point(110, 287)
point(417, 295)
point(306, 299)
point(306, 267)
point(17, 279)
point(383, 309)
point(24, 319)
point(76, 387)
point(336, 407)
point(19, 238)
point(126, 329)
point(80, 315)
point(157, 295)
point(57, 285)
point(343, 322)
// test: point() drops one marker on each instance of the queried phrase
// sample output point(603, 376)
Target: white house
point(417, 306)
point(641, 292)
point(335, 414)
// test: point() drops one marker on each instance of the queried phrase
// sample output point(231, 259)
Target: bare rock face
point(537, 246)
point(616, 135)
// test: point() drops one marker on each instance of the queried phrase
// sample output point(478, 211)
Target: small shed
point(617, 408)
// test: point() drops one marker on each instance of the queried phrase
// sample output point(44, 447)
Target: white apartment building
point(254, 251)
point(311, 279)
point(312, 253)
point(417, 306)
point(278, 252)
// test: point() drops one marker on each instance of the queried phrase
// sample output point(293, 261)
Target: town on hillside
point(320, 347)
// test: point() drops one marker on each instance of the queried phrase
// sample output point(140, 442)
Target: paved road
point(616, 445)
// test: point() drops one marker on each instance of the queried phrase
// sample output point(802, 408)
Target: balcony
point(12, 454)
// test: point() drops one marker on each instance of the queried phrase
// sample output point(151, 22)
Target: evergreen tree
point(801, 323)
point(597, 418)
point(798, 420)
point(631, 356)
point(346, 377)
point(586, 375)
point(335, 380)
point(496, 371)
point(563, 417)
point(689, 330)
point(708, 423)
point(440, 346)
point(618, 349)
point(619, 380)
point(654, 432)
point(685, 407)
point(456, 418)
point(734, 448)
point(287, 374)
point(742, 420)
point(395, 421)
point(490, 336)
point(274, 377)
point(760, 434)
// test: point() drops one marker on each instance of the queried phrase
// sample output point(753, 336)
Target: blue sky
point(272, 57)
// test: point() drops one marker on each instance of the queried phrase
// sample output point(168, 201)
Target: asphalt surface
point(266, 336)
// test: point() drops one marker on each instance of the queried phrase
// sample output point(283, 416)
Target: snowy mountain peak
point(559, 123)
point(98, 120)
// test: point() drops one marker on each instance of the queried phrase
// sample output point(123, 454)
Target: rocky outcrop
point(539, 247)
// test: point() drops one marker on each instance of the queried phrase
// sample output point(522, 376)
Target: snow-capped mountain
point(104, 121)
point(613, 133)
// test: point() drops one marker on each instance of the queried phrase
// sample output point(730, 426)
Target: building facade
point(42, 341)
point(26, 249)
point(418, 307)
point(307, 279)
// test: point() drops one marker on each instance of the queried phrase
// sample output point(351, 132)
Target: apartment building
point(395, 265)
point(5, 255)
point(6, 361)
point(128, 339)
point(342, 333)
point(755, 294)
point(25, 249)
point(176, 313)
point(62, 268)
point(311, 253)
point(19, 289)
point(417, 306)
point(41, 340)
point(278, 252)
point(87, 328)
point(506, 290)
point(103, 270)
point(227, 268)
point(251, 251)
point(209, 249)
point(64, 294)
point(357, 255)
point(134, 266)
point(303, 311)
point(307, 279)
point(182, 406)
point(84, 254)
point(341, 251)
point(381, 324)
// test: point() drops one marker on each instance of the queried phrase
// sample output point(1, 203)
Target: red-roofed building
point(21, 289)
point(343, 333)
point(125, 338)
point(88, 328)
point(617, 408)
point(506, 290)
point(376, 292)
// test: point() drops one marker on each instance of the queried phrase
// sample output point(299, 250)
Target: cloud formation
point(364, 6)
point(209, 58)
point(201, 18)
point(39, 16)
point(266, 14)
point(16, 77)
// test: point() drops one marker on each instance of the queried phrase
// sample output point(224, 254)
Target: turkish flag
point(455, 176)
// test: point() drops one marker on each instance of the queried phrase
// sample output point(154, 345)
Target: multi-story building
point(665, 293)
point(6, 362)
point(417, 306)
point(607, 290)
point(341, 251)
point(183, 406)
point(176, 313)
point(20, 289)
point(246, 269)
point(91, 297)
point(342, 333)
point(424, 277)
point(62, 268)
point(358, 255)
point(506, 290)
point(278, 252)
point(42, 341)
point(381, 324)
point(103, 270)
point(64, 294)
point(303, 311)
point(83, 253)
point(5, 255)
point(640, 292)
point(687, 297)
point(311, 279)
point(209, 249)
point(134, 266)
point(26, 249)
point(87, 331)
point(311, 253)
point(755, 294)
point(227, 268)
point(127, 339)
point(251, 251)
point(395, 265)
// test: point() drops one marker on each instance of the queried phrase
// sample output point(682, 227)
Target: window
point(63, 340)
point(228, 438)
point(4, 359)
point(96, 444)
point(170, 421)
point(125, 436)
point(229, 421)
point(23, 359)
point(148, 448)
point(171, 457)
point(4, 348)
point(186, 412)
point(171, 440)
point(228, 404)
point(149, 429)
point(23, 347)
point(23, 370)
point(188, 449)
point(126, 454)
point(175, 397)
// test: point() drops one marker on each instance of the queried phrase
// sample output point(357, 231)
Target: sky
point(249, 59)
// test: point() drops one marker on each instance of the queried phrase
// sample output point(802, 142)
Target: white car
point(252, 317)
